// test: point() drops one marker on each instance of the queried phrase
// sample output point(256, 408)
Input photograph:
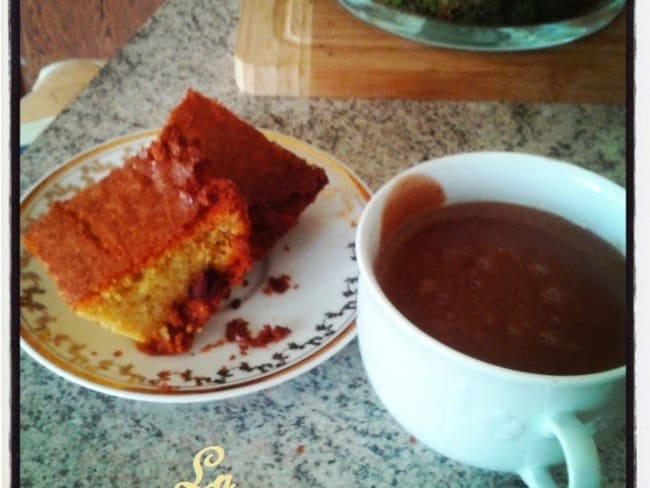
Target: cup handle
point(583, 464)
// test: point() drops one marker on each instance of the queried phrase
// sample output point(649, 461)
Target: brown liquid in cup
point(507, 284)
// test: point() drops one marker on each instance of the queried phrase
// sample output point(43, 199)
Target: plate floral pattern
point(319, 306)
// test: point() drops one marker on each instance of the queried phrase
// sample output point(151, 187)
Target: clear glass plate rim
point(439, 33)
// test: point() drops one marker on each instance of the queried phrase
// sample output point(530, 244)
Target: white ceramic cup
point(469, 410)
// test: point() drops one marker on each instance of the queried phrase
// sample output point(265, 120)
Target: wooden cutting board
point(315, 48)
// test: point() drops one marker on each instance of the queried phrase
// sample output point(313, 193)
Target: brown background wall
point(52, 30)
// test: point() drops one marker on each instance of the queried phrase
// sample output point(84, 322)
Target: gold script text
point(213, 457)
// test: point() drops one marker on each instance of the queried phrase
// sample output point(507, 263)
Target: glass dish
point(431, 31)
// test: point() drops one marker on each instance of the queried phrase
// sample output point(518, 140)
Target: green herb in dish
point(496, 12)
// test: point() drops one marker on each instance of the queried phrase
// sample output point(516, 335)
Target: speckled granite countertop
point(326, 427)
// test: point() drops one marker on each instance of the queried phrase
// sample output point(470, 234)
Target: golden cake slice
point(148, 262)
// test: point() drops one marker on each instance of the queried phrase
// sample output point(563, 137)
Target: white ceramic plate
point(319, 307)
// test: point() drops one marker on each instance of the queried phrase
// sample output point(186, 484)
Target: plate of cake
point(200, 261)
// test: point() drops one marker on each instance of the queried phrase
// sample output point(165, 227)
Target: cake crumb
point(211, 346)
point(237, 331)
point(277, 284)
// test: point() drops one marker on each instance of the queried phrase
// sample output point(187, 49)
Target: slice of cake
point(151, 250)
point(277, 184)
point(147, 261)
